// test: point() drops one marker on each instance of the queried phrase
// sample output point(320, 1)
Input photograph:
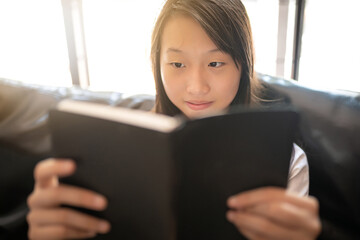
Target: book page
point(149, 120)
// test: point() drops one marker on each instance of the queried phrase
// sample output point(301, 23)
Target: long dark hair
point(227, 24)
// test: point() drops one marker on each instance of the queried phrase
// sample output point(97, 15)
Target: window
point(33, 43)
point(330, 53)
point(118, 38)
point(273, 23)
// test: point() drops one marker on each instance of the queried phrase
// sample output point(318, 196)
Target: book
point(169, 177)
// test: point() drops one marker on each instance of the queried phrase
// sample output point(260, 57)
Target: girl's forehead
point(184, 32)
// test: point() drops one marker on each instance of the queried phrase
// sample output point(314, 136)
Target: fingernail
point(104, 227)
point(99, 202)
point(232, 201)
point(68, 165)
point(230, 216)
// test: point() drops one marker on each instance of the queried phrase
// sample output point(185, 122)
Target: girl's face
point(198, 78)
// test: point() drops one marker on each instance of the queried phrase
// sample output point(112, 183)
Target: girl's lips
point(194, 105)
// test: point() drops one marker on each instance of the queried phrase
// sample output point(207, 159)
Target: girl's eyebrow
point(173, 50)
point(180, 51)
point(214, 50)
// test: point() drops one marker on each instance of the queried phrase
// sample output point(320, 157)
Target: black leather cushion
point(330, 135)
point(25, 140)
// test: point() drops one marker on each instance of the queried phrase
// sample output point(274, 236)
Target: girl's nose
point(197, 83)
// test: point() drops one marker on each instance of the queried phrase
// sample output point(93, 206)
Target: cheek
point(236, 83)
point(229, 86)
point(171, 83)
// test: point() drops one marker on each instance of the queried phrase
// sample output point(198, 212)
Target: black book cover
point(174, 184)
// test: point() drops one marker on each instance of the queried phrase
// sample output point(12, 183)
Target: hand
point(273, 213)
point(47, 219)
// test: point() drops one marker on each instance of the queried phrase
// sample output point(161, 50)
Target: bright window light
point(118, 34)
point(330, 54)
point(33, 43)
point(263, 16)
point(118, 40)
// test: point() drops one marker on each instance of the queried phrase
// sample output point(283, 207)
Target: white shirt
point(298, 181)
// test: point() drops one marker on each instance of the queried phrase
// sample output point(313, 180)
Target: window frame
point(74, 27)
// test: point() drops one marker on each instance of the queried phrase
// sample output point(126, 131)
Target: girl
point(203, 61)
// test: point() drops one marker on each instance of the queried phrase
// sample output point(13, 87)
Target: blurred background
point(105, 44)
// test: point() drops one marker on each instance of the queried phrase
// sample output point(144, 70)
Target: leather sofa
point(329, 132)
point(25, 140)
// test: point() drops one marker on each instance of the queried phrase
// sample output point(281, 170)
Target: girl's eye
point(215, 64)
point(177, 65)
